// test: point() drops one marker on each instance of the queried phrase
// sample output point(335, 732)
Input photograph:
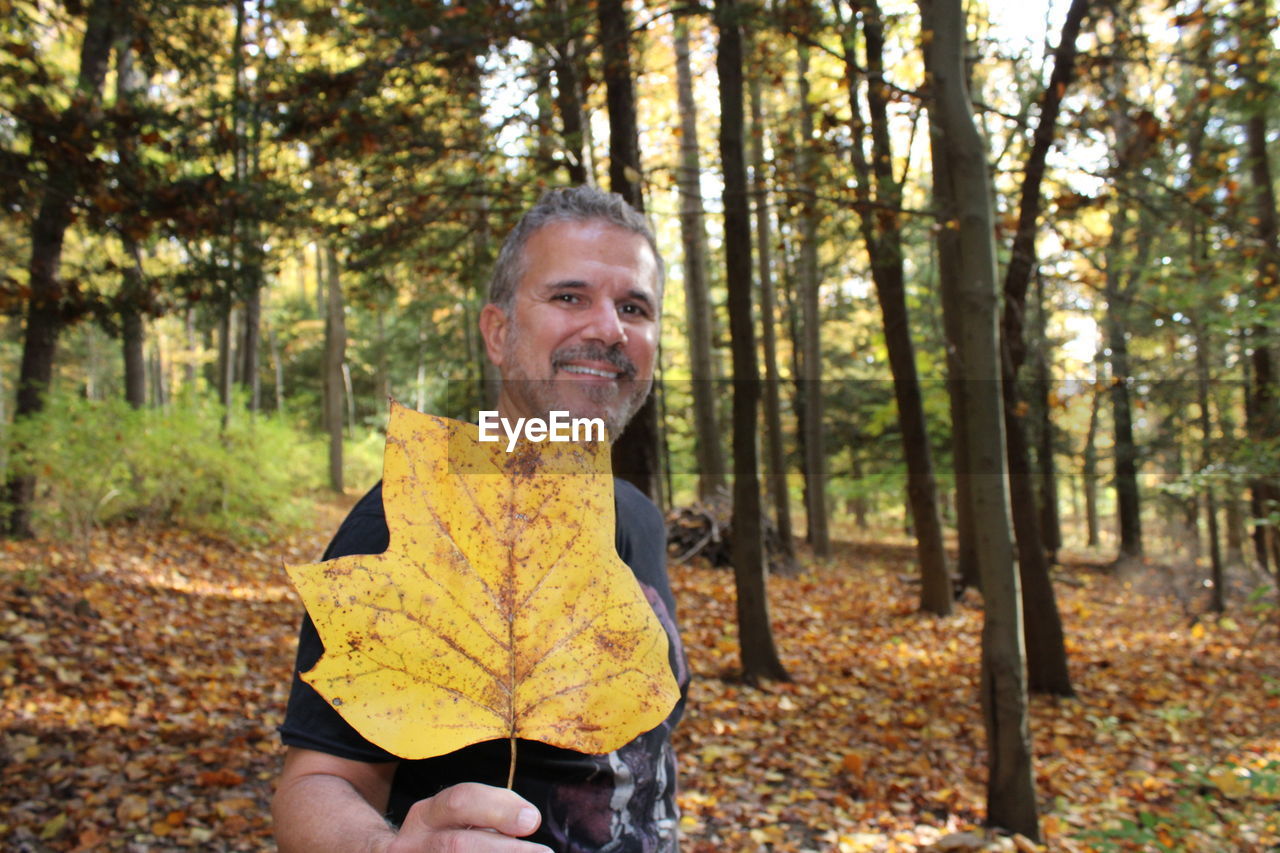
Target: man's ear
point(493, 328)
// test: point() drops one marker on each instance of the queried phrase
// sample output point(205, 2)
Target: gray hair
point(566, 204)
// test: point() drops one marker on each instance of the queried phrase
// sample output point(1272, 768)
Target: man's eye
point(565, 297)
point(634, 310)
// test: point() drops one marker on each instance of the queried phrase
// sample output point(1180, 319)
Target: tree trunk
point(49, 296)
point(1089, 472)
point(707, 451)
point(1046, 650)
point(1264, 422)
point(251, 348)
point(132, 345)
point(226, 352)
point(636, 455)
point(191, 374)
point(960, 160)
point(566, 61)
point(755, 630)
point(808, 283)
point(1128, 508)
point(1050, 512)
point(277, 365)
point(132, 296)
point(882, 231)
point(776, 455)
point(335, 355)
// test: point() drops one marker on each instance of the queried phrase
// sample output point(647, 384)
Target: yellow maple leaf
point(500, 608)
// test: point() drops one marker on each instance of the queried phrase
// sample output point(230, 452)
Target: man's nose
point(605, 325)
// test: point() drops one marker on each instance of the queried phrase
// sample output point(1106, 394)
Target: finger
point(482, 841)
point(472, 805)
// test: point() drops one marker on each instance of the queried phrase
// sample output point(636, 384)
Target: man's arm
point(324, 802)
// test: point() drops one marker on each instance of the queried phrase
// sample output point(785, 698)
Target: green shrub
point(362, 460)
point(76, 451)
point(95, 462)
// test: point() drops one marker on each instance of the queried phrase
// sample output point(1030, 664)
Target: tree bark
point(566, 61)
point(1089, 472)
point(707, 450)
point(750, 568)
point(1046, 649)
point(1264, 422)
point(1128, 507)
point(882, 231)
point(776, 460)
point(1050, 512)
point(959, 157)
point(636, 455)
point(809, 285)
point(335, 354)
point(51, 300)
point(132, 296)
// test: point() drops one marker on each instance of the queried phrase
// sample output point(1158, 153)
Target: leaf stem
point(511, 773)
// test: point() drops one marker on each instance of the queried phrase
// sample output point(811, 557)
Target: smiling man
point(572, 319)
point(572, 326)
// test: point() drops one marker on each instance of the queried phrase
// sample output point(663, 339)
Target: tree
point(808, 282)
point(706, 434)
point(1264, 409)
point(776, 463)
point(636, 455)
point(1046, 651)
point(335, 355)
point(68, 162)
point(755, 631)
point(963, 197)
point(879, 194)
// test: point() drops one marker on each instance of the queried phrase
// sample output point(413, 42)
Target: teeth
point(590, 371)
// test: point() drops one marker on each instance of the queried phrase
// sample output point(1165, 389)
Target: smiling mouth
point(591, 371)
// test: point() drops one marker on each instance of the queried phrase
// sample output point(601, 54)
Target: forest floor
point(141, 693)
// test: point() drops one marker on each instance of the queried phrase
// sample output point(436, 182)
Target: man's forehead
point(549, 244)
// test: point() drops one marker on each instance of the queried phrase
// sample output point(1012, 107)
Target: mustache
point(590, 352)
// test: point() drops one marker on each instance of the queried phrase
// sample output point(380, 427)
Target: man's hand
point(469, 818)
point(325, 803)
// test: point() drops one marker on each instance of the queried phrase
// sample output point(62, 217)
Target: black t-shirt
point(623, 801)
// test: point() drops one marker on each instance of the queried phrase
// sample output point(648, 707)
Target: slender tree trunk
point(1089, 472)
point(776, 455)
point(566, 61)
point(277, 365)
point(710, 459)
point(335, 349)
point(191, 374)
point(960, 160)
point(1050, 512)
point(45, 312)
point(1198, 266)
point(1128, 508)
point(809, 285)
point(636, 454)
point(132, 294)
point(755, 630)
point(1046, 648)
point(882, 232)
point(226, 352)
point(1264, 423)
point(1203, 383)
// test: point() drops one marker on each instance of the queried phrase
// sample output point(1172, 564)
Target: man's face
point(583, 328)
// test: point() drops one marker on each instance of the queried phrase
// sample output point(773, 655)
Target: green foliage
point(1225, 806)
point(362, 460)
point(97, 462)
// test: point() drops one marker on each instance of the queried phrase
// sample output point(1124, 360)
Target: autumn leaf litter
point(140, 698)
